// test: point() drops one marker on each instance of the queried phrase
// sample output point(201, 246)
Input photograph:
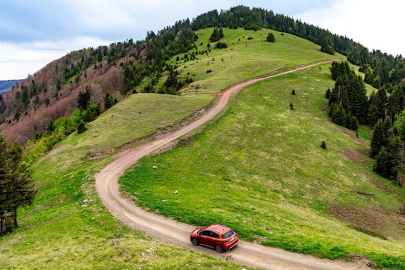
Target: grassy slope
point(247, 58)
point(260, 169)
point(63, 234)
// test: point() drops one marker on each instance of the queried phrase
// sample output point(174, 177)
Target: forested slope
point(128, 66)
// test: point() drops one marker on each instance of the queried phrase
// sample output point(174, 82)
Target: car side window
point(213, 235)
point(205, 233)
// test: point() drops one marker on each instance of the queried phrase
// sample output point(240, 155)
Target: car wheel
point(219, 249)
point(194, 241)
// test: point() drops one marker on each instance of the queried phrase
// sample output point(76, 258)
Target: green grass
point(260, 169)
point(58, 233)
point(65, 235)
point(246, 59)
point(136, 117)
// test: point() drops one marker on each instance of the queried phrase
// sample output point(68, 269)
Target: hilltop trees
point(327, 46)
point(16, 184)
point(348, 100)
point(217, 34)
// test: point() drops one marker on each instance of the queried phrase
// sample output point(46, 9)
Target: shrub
point(81, 127)
point(221, 45)
point(271, 38)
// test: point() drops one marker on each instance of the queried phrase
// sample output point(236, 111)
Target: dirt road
point(171, 231)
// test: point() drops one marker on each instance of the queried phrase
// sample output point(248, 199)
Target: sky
point(34, 33)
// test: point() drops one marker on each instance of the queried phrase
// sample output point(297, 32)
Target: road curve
point(173, 232)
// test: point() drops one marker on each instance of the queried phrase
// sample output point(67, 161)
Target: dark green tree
point(327, 46)
point(271, 38)
point(221, 33)
point(21, 190)
point(108, 101)
point(4, 183)
point(379, 139)
point(215, 36)
point(388, 161)
point(83, 99)
point(81, 127)
point(377, 107)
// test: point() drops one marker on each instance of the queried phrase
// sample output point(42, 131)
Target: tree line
point(349, 105)
point(16, 185)
point(143, 63)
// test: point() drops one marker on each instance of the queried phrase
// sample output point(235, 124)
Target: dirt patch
point(361, 261)
point(372, 219)
point(324, 106)
point(349, 133)
point(356, 155)
point(382, 186)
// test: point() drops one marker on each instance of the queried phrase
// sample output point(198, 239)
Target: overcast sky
point(33, 33)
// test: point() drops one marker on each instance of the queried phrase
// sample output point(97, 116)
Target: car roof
point(220, 229)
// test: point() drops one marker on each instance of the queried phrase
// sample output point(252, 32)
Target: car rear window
point(228, 234)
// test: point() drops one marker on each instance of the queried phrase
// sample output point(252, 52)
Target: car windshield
point(200, 230)
point(228, 234)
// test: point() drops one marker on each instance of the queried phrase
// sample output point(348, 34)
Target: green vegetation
point(16, 185)
point(244, 59)
point(260, 170)
point(67, 225)
point(271, 38)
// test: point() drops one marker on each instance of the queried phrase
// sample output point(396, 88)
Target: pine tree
point(21, 191)
point(377, 107)
point(4, 182)
point(379, 140)
point(221, 33)
point(382, 163)
point(388, 161)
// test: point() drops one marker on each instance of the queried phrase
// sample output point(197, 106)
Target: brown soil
point(374, 219)
point(356, 155)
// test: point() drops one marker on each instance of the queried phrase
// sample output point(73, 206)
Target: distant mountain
point(6, 85)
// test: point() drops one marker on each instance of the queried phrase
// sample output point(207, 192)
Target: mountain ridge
point(122, 67)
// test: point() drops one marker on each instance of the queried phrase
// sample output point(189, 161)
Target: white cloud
point(17, 61)
point(375, 24)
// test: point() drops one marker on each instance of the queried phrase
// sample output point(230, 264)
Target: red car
point(215, 236)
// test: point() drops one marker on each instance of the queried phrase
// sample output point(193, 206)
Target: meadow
point(65, 231)
point(260, 169)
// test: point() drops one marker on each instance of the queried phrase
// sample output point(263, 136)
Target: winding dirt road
point(173, 232)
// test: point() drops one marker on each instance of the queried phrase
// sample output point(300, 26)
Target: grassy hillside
point(245, 59)
point(261, 170)
point(66, 233)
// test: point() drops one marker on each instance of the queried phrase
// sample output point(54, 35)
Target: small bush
point(221, 45)
point(323, 145)
point(81, 127)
